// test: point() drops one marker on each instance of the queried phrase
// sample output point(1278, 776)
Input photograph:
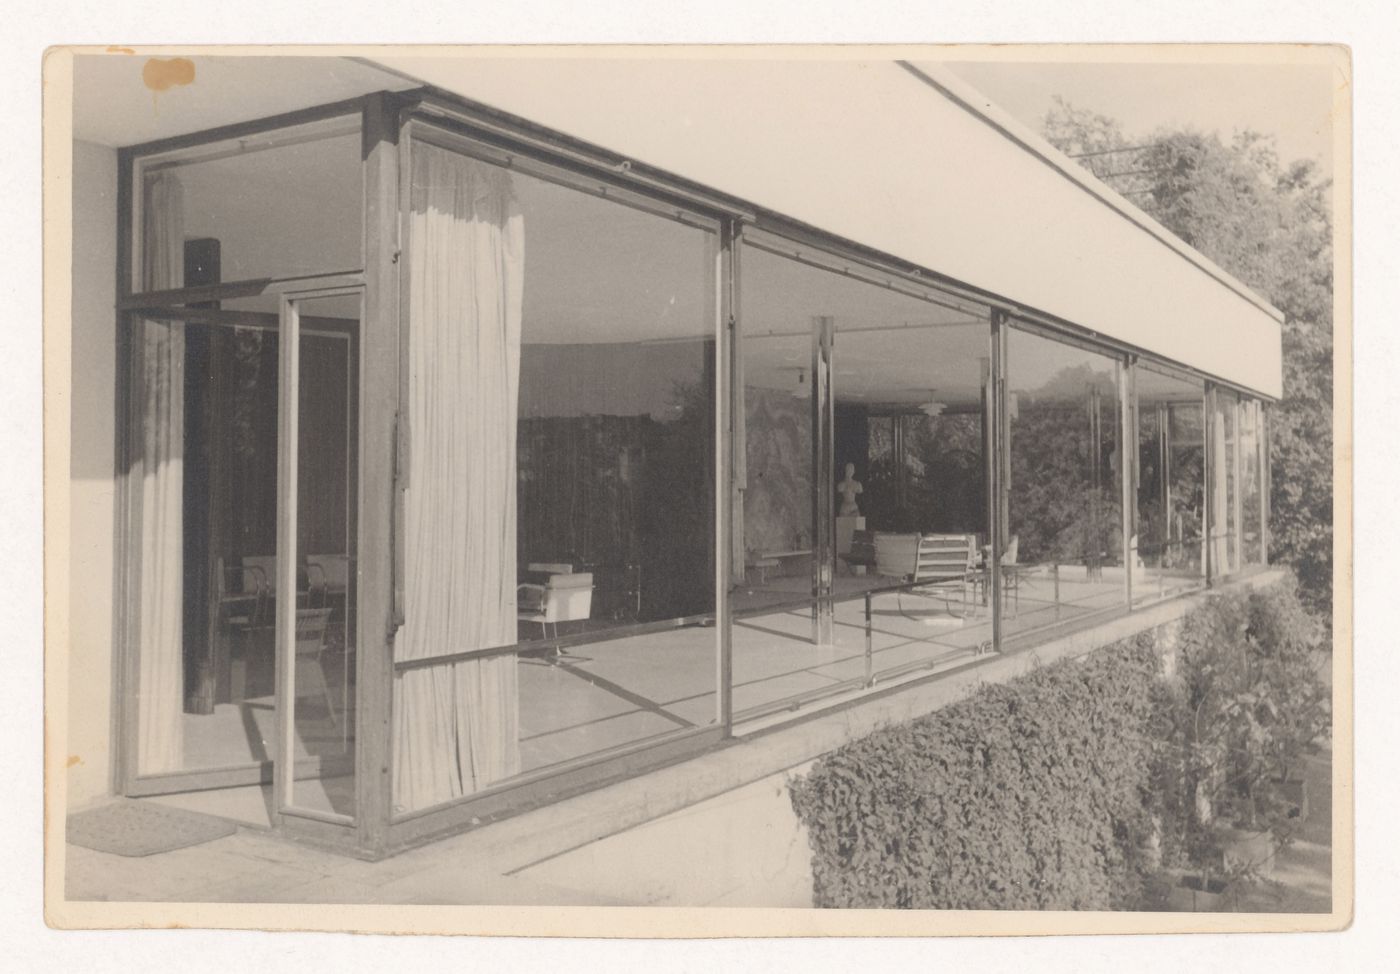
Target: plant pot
point(1294, 794)
point(1190, 895)
point(1249, 852)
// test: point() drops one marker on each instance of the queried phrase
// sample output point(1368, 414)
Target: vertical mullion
point(288, 360)
point(729, 399)
point(379, 485)
point(738, 458)
point(997, 456)
point(823, 479)
point(1127, 469)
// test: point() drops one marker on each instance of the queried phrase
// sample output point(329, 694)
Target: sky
point(1291, 102)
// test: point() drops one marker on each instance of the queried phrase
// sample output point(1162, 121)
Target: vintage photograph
point(817, 478)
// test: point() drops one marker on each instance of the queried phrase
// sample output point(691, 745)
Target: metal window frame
point(554, 156)
point(425, 121)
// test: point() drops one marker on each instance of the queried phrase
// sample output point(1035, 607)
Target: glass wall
point(905, 429)
point(557, 570)
point(321, 662)
point(1064, 557)
point(1168, 546)
point(285, 203)
point(205, 424)
point(1251, 449)
point(1224, 483)
point(560, 508)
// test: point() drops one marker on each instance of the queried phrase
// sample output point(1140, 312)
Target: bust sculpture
point(849, 488)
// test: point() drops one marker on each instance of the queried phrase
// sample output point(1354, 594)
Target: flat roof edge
point(984, 109)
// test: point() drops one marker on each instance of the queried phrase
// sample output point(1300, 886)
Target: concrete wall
point(745, 847)
point(92, 495)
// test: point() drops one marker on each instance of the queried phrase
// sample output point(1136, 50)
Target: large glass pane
point(322, 667)
point(1224, 498)
point(907, 441)
point(1065, 541)
point(208, 679)
point(280, 204)
point(561, 482)
point(1251, 495)
point(208, 455)
point(1168, 548)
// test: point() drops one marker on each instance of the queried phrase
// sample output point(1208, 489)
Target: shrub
point(1028, 795)
point(1078, 784)
point(1247, 705)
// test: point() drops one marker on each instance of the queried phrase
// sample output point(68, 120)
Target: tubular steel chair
point(938, 563)
point(241, 593)
point(947, 563)
point(310, 672)
point(564, 597)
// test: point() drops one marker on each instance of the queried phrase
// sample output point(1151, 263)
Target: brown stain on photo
point(74, 759)
point(114, 49)
point(162, 74)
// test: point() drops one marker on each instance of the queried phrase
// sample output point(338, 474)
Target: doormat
point(136, 828)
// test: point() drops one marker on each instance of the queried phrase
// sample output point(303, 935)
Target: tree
point(1270, 226)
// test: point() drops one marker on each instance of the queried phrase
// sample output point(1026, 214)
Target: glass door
point(242, 506)
point(203, 511)
point(315, 585)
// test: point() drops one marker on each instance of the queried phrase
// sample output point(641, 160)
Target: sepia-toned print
point(835, 480)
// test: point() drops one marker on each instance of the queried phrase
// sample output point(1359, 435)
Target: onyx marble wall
point(778, 495)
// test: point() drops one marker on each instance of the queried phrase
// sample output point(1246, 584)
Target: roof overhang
point(906, 160)
point(897, 157)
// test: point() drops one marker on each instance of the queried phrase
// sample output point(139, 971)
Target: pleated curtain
point(162, 351)
point(456, 726)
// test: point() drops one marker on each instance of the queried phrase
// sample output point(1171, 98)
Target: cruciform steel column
point(823, 480)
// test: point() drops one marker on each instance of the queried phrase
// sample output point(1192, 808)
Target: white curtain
point(456, 727)
point(161, 345)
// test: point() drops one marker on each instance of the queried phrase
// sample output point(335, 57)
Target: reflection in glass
point(322, 695)
point(1224, 487)
point(1063, 490)
point(281, 204)
point(1251, 494)
point(1170, 485)
point(907, 380)
point(209, 536)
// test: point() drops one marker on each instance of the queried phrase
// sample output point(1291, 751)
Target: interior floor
point(590, 698)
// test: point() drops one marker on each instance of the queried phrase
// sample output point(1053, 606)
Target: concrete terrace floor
point(637, 867)
point(254, 866)
point(661, 859)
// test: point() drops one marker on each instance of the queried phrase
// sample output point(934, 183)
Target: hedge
point(1063, 789)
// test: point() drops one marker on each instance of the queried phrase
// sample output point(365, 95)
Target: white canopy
point(904, 159)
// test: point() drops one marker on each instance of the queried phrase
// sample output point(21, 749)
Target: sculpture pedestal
point(846, 526)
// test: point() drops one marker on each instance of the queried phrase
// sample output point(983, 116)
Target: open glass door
point(315, 594)
point(203, 514)
point(216, 515)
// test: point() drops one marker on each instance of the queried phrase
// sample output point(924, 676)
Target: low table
point(765, 560)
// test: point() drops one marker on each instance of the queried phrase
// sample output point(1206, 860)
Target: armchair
point(564, 597)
